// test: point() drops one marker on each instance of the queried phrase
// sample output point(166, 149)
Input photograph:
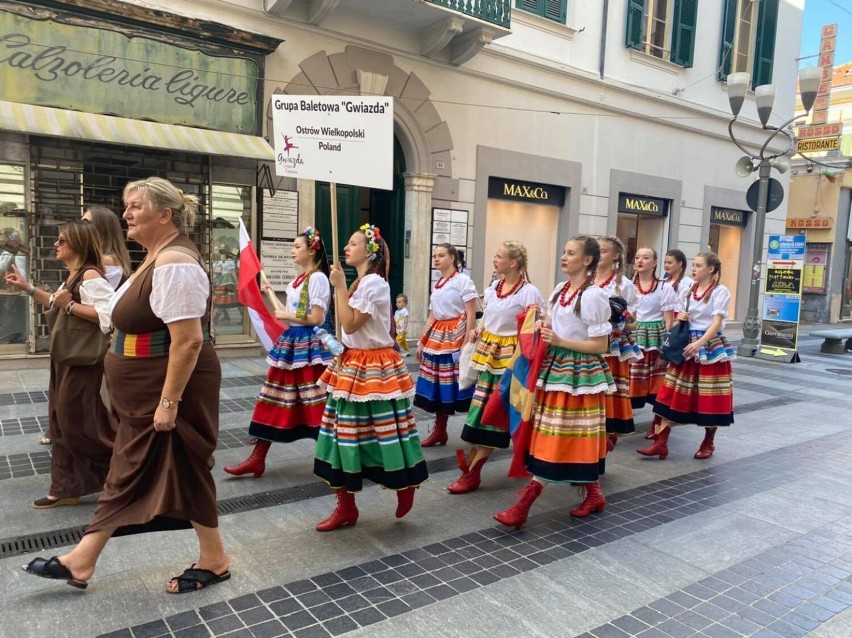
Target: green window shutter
point(551, 9)
point(556, 10)
point(729, 26)
point(635, 36)
point(683, 35)
point(764, 47)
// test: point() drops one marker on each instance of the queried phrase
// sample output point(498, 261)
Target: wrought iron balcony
point(449, 30)
point(497, 12)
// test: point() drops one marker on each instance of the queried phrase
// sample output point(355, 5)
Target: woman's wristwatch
point(169, 404)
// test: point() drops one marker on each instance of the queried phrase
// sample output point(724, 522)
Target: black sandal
point(53, 569)
point(195, 579)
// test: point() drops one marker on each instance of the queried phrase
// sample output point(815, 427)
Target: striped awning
point(42, 120)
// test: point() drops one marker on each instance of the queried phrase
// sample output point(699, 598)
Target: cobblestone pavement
point(756, 541)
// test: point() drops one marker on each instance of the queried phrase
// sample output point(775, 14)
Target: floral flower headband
point(374, 236)
point(313, 237)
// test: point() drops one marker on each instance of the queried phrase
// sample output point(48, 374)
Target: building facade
point(820, 208)
point(513, 119)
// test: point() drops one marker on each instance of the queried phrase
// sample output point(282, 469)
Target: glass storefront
point(725, 239)
point(642, 221)
point(14, 306)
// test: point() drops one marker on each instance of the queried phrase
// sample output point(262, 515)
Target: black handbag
point(676, 340)
point(617, 308)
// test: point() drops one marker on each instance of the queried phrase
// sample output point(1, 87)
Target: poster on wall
point(278, 230)
point(782, 299)
point(449, 226)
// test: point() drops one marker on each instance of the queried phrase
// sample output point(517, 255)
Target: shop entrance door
point(357, 206)
point(725, 242)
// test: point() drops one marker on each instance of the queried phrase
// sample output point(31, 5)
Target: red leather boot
point(346, 513)
point(594, 501)
point(707, 448)
point(255, 463)
point(650, 433)
point(404, 501)
point(611, 441)
point(660, 446)
point(517, 515)
point(438, 436)
point(470, 478)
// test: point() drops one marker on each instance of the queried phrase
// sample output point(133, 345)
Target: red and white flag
point(268, 328)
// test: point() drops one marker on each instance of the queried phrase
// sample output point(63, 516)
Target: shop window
point(643, 222)
point(725, 240)
point(748, 39)
point(815, 269)
point(14, 306)
point(663, 28)
point(229, 204)
point(551, 9)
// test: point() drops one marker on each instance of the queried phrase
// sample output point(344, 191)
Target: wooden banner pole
point(335, 250)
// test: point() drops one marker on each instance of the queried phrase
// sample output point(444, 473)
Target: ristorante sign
point(100, 71)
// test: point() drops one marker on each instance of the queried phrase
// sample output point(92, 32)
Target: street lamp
point(738, 83)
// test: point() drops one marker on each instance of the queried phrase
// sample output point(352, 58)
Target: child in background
point(400, 318)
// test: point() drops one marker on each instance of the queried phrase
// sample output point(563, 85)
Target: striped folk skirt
point(492, 356)
point(619, 409)
point(700, 391)
point(647, 373)
point(368, 428)
point(568, 442)
point(290, 404)
point(437, 389)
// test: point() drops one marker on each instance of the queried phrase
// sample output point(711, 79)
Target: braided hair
point(618, 246)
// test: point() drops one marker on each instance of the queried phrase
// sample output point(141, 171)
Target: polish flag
point(268, 328)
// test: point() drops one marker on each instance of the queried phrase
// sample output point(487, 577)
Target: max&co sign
point(641, 205)
point(728, 216)
point(516, 190)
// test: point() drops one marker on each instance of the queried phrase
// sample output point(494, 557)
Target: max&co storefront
point(89, 103)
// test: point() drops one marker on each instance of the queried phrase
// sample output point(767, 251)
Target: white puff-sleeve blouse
point(372, 297)
point(674, 299)
point(319, 293)
point(701, 314)
point(650, 306)
point(98, 293)
point(594, 315)
point(626, 290)
point(447, 302)
point(501, 315)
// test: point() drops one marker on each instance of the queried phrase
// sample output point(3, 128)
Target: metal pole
point(751, 325)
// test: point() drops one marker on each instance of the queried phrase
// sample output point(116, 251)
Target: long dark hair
point(109, 232)
point(453, 252)
point(591, 248)
point(379, 263)
point(320, 257)
point(83, 239)
point(680, 258)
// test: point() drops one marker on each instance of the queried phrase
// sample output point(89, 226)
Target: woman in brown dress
point(82, 447)
point(168, 410)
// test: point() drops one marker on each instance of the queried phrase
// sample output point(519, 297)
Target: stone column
point(418, 226)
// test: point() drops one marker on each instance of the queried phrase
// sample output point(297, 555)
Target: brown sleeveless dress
point(157, 480)
point(79, 426)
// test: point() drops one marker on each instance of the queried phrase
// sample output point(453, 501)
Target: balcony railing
point(494, 11)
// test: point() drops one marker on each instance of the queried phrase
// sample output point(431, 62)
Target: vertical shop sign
point(448, 227)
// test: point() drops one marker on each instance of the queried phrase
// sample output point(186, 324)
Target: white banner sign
point(341, 139)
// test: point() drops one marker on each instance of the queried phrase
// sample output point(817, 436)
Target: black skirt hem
point(705, 420)
point(641, 402)
point(485, 438)
point(580, 473)
point(620, 426)
point(282, 435)
point(395, 480)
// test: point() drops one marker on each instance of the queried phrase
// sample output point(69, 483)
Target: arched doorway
point(357, 206)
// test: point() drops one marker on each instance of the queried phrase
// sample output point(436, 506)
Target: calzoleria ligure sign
point(95, 70)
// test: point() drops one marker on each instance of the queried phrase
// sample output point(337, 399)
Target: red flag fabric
point(266, 325)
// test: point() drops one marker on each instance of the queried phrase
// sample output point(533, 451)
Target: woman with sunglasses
point(78, 423)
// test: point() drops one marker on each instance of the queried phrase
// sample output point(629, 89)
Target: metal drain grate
point(237, 505)
point(39, 542)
